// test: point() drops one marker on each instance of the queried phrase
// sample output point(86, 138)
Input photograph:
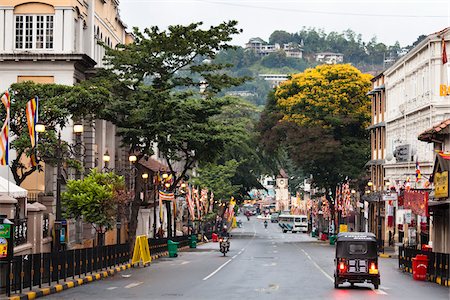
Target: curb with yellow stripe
point(73, 283)
point(69, 284)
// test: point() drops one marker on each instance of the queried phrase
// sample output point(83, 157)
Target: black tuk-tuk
point(356, 259)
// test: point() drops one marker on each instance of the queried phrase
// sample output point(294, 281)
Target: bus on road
point(293, 223)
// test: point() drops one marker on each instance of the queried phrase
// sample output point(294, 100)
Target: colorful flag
point(31, 112)
point(444, 52)
point(418, 175)
point(4, 135)
point(166, 196)
point(197, 202)
point(211, 202)
point(190, 203)
point(445, 60)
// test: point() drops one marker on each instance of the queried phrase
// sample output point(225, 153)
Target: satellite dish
point(389, 157)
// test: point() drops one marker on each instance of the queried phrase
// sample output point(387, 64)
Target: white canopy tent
point(8, 187)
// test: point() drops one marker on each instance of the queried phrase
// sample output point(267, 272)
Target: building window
point(34, 32)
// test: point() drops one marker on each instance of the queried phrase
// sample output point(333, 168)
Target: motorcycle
point(265, 224)
point(224, 245)
point(239, 223)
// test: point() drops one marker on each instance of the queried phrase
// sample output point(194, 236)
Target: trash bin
point(420, 266)
point(332, 239)
point(193, 241)
point(172, 247)
point(215, 237)
point(314, 233)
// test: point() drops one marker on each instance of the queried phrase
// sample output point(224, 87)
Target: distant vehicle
point(274, 217)
point(293, 223)
point(263, 217)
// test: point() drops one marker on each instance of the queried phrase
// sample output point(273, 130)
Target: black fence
point(438, 264)
point(158, 246)
point(36, 270)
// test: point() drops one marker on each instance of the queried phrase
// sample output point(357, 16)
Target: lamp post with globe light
point(62, 152)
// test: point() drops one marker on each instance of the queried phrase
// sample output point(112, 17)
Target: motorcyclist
point(224, 232)
point(265, 224)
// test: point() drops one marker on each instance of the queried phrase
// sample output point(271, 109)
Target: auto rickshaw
point(356, 259)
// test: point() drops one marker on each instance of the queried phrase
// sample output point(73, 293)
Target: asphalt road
point(262, 264)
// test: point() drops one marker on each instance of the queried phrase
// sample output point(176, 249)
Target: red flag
point(444, 53)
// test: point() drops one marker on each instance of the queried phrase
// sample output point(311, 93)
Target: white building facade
point(413, 105)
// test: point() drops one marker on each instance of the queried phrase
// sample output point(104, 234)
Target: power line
point(306, 11)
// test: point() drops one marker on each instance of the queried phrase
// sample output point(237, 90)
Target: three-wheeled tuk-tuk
point(356, 259)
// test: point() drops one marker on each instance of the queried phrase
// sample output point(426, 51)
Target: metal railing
point(438, 263)
point(45, 225)
point(20, 232)
point(35, 270)
point(158, 246)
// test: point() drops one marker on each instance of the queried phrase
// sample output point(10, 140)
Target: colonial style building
point(57, 41)
point(415, 101)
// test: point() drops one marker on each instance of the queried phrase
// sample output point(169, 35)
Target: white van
point(293, 223)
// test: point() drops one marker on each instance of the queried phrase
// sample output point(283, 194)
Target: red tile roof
point(153, 165)
point(436, 130)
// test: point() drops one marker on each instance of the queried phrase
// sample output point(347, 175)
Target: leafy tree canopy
point(95, 199)
point(320, 117)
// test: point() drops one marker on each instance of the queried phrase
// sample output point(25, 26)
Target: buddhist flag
point(445, 60)
point(4, 135)
point(418, 174)
point(32, 113)
point(190, 202)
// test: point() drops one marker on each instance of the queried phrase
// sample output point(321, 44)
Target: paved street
point(262, 264)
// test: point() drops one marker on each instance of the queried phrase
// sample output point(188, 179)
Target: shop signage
point(5, 231)
point(441, 185)
point(390, 197)
point(444, 90)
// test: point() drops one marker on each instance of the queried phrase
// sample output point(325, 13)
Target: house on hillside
point(262, 48)
point(329, 58)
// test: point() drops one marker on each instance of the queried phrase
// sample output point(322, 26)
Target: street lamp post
point(74, 150)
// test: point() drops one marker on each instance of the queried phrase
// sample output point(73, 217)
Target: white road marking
point(185, 262)
point(274, 246)
point(132, 285)
point(112, 288)
point(275, 251)
point(317, 266)
point(217, 270)
point(234, 256)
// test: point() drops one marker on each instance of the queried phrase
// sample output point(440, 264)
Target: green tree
point(320, 117)
point(57, 103)
point(156, 83)
point(218, 179)
point(96, 199)
point(280, 37)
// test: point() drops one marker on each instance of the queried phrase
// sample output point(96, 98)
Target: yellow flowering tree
point(320, 117)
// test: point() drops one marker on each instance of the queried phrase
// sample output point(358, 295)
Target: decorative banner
point(197, 202)
point(190, 203)
point(211, 202)
point(4, 135)
point(32, 114)
point(204, 200)
point(166, 196)
point(417, 201)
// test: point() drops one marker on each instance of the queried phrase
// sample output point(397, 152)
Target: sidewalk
point(71, 283)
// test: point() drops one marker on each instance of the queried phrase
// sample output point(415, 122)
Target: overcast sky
point(390, 21)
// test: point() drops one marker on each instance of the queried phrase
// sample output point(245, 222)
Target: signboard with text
point(441, 185)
